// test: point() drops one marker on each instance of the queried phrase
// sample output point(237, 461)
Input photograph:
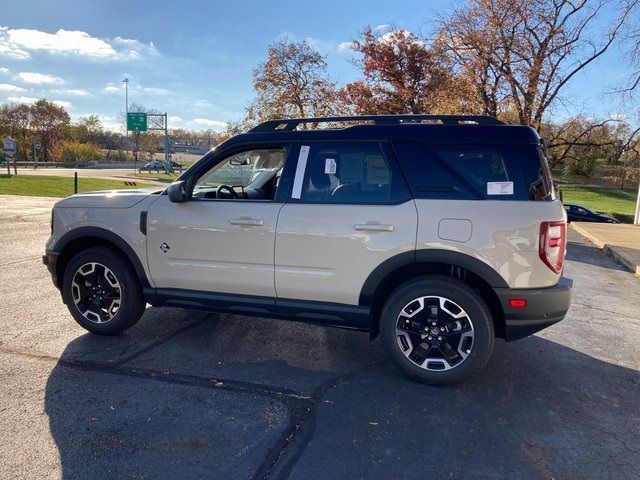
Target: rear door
point(350, 210)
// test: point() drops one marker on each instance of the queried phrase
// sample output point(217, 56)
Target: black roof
point(429, 128)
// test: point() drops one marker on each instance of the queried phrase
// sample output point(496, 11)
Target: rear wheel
point(102, 291)
point(437, 329)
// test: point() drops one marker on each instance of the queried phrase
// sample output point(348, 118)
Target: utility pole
point(126, 105)
point(636, 219)
point(167, 159)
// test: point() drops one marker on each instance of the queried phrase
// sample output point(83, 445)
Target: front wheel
point(437, 329)
point(102, 291)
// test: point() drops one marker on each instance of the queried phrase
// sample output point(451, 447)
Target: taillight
point(553, 244)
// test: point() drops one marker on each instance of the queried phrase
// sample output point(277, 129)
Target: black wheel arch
point(408, 265)
point(82, 238)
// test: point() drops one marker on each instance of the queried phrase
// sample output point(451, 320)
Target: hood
point(604, 216)
point(107, 198)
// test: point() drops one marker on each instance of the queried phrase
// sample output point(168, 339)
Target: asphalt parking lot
point(196, 395)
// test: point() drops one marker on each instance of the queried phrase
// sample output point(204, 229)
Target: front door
point(222, 239)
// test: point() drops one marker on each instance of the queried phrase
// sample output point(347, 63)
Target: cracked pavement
point(192, 395)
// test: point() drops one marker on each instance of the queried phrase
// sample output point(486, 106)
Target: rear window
point(474, 172)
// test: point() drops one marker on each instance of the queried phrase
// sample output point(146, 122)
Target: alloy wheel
point(96, 292)
point(434, 333)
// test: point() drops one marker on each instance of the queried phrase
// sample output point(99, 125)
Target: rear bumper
point(50, 259)
point(544, 307)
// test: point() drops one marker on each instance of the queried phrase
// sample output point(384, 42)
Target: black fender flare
point(109, 237)
point(386, 268)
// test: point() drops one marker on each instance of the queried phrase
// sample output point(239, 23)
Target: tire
point(465, 344)
point(102, 291)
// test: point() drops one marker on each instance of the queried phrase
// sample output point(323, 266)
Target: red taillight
point(553, 244)
point(517, 302)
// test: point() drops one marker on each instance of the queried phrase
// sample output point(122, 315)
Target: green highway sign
point(137, 122)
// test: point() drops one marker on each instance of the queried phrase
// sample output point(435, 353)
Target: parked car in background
point(175, 164)
point(578, 213)
point(154, 165)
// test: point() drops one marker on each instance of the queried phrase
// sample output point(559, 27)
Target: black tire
point(462, 296)
point(131, 305)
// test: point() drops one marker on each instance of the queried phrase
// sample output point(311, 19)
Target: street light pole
point(126, 105)
point(636, 218)
point(126, 95)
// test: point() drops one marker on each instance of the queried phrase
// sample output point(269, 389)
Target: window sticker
point(499, 188)
point(301, 167)
point(330, 166)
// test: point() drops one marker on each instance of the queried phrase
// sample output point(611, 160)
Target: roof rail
point(289, 124)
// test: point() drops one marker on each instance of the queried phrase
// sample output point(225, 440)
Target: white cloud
point(215, 124)
point(20, 43)
point(201, 103)
point(381, 27)
point(175, 119)
point(38, 78)
point(62, 103)
point(30, 100)
point(7, 87)
point(63, 41)
point(344, 46)
point(111, 89)
point(156, 91)
point(73, 91)
point(27, 100)
point(4, 70)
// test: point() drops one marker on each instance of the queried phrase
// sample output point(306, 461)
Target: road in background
point(191, 395)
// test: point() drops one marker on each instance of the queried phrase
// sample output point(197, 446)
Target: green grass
point(160, 177)
point(607, 200)
point(49, 186)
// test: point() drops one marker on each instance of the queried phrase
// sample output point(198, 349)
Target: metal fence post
point(75, 182)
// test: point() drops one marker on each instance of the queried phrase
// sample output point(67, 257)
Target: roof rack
point(289, 124)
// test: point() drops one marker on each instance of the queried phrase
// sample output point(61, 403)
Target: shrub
point(77, 152)
point(118, 156)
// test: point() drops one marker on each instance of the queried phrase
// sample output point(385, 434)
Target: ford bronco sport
point(438, 233)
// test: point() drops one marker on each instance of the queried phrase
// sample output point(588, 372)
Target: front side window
point(348, 173)
point(247, 175)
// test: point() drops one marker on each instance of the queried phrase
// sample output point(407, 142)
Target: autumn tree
point(49, 123)
point(631, 40)
point(89, 129)
point(292, 82)
point(15, 121)
point(402, 73)
point(521, 54)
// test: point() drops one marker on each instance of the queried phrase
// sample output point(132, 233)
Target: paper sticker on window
point(330, 166)
point(499, 188)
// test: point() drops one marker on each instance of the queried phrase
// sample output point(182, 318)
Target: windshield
point(242, 168)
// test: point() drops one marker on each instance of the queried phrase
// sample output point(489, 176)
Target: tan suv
point(437, 233)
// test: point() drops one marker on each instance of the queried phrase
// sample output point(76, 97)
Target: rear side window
point(469, 172)
point(537, 174)
point(351, 173)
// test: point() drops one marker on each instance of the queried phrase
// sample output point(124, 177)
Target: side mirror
point(177, 192)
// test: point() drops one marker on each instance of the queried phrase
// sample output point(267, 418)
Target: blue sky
point(194, 59)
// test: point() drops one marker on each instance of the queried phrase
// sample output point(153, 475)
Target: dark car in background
point(579, 213)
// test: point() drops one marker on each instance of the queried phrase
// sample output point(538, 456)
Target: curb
point(613, 251)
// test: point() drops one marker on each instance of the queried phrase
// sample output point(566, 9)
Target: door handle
point(253, 222)
point(374, 227)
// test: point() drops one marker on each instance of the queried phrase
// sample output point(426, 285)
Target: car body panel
point(321, 256)
point(504, 235)
point(212, 245)
point(120, 220)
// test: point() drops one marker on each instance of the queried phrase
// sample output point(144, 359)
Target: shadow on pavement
point(538, 410)
point(591, 255)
